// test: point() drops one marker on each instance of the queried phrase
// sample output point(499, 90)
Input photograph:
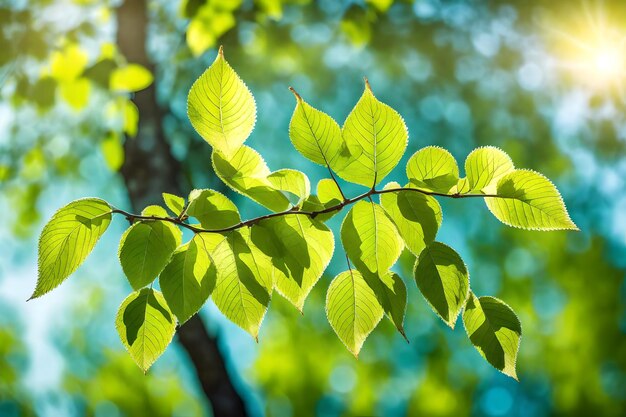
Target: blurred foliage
point(462, 74)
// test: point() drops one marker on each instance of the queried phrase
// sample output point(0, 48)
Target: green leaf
point(433, 168)
point(484, 167)
point(392, 297)
point(528, 200)
point(376, 138)
point(113, 151)
point(244, 281)
point(246, 173)
point(370, 239)
point(494, 330)
point(188, 279)
point(175, 203)
point(145, 325)
point(291, 181)
point(146, 247)
point(212, 209)
point(131, 78)
point(67, 239)
point(328, 195)
point(352, 309)
point(417, 216)
point(315, 134)
point(221, 108)
point(300, 249)
point(443, 280)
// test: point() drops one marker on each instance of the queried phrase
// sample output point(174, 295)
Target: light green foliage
point(130, 78)
point(67, 240)
point(145, 325)
point(221, 108)
point(173, 202)
point(244, 281)
point(494, 330)
point(417, 216)
point(247, 173)
point(443, 279)
point(484, 167)
point(528, 200)
point(238, 263)
point(300, 249)
point(352, 309)
point(433, 168)
point(376, 137)
point(315, 134)
point(146, 247)
point(113, 151)
point(370, 239)
point(188, 279)
point(212, 209)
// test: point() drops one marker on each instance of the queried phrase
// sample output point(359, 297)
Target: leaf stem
point(294, 210)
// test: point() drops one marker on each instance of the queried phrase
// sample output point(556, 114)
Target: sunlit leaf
point(433, 168)
point(484, 167)
point(113, 151)
point(352, 309)
point(291, 181)
point(69, 63)
point(528, 200)
point(130, 78)
point(416, 216)
point(173, 202)
point(376, 137)
point(67, 239)
point(188, 279)
point(212, 209)
point(443, 280)
point(494, 330)
point(76, 92)
point(221, 108)
point(145, 325)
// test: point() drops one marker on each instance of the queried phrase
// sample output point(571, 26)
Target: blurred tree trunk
point(149, 170)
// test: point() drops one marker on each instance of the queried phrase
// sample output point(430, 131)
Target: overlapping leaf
point(244, 281)
point(300, 249)
point(528, 200)
point(67, 239)
point(212, 209)
point(145, 325)
point(352, 309)
point(376, 138)
point(416, 216)
point(146, 247)
point(175, 203)
point(484, 167)
point(188, 279)
point(443, 279)
point(494, 330)
point(221, 108)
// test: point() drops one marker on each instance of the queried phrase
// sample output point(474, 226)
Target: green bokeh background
point(462, 74)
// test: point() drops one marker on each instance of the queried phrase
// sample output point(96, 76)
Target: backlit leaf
point(130, 78)
point(145, 325)
point(494, 330)
point(443, 280)
point(212, 209)
point(484, 167)
point(173, 202)
point(528, 200)
point(67, 239)
point(433, 168)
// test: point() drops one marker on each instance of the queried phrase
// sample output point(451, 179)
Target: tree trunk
point(149, 170)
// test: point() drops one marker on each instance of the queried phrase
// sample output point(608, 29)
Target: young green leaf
point(244, 281)
point(212, 209)
point(328, 195)
point(300, 249)
point(188, 279)
point(376, 137)
point(417, 216)
point(352, 309)
point(494, 330)
point(528, 200)
point(370, 239)
point(175, 203)
point(433, 168)
point(392, 297)
point(221, 108)
point(291, 181)
point(246, 173)
point(67, 239)
point(146, 247)
point(443, 280)
point(315, 134)
point(484, 167)
point(145, 325)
